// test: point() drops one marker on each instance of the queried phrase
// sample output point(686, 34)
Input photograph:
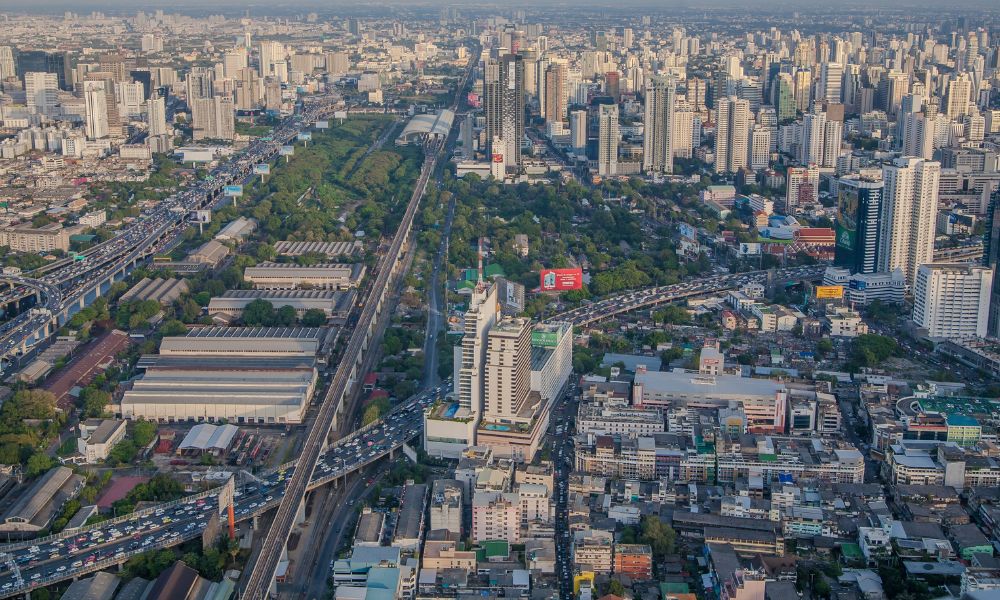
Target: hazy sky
point(294, 7)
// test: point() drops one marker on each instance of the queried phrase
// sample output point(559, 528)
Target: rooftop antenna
point(479, 252)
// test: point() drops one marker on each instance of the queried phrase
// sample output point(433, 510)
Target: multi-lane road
point(56, 558)
point(263, 569)
point(155, 229)
point(651, 296)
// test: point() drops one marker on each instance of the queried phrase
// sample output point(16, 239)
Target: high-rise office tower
point(831, 77)
point(952, 301)
point(531, 75)
point(554, 108)
point(156, 115)
point(200, 83)
point(114, 63)
point(802, 89)
point(732, 129)
point(859, 224)
point(608, 135)
point(508, 370)
point(41, 92)
point(578, 130)
point(613, 85)
point(37, 61)
point(503, 91)
point(909, 213)
point(8, 67)
point(96, 104)
point(991, 258)
point(892, 88)
point(130, 98)
point(959, 94)
point(784, 97)
point(750, 90)
point(657, 141)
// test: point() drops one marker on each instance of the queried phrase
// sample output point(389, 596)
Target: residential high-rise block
point(802, 187)
point(952, 300)
point(96, 104)
point(554, 108)
point(732, 129)
point(909, 213)
point(156, 115)
point(959, 94)
point(608, 135)
point(657, 141)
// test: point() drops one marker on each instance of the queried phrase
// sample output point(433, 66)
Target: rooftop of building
point(685, 383)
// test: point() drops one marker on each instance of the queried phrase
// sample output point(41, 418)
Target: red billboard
point(560, 280)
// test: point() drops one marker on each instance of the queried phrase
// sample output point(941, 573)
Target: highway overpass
point(600, 310)
point(68, 555)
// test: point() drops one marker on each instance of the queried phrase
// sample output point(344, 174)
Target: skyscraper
point(959, 93)
point(917, 135)
point(7, 65)
point(156, 115)
point(508, 370)
point(213, 118)
point(578, 130)
point(991, 258)
point(732, 128)
point(859, 224)
point(657, 141)
point(41, 92)
point(802, 188)
point(831, 77)
point(554, 108)
point(503, 91)
point(470, 355)
point(96, 104)
point(607, 139)
point(908, 216)
point(37, 61)
point(784, 97)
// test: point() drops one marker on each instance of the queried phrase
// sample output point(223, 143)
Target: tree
point(658, 535)
point(314, 317)
point(258, 312)
point(173, 327)
point(38, 463)
point(143, 432)
point(285, 316)
point(93, 401)
point(616, 588)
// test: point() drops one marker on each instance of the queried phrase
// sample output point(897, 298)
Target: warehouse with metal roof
point(328, 249)
point(40, 503)
point(324, 276)
point(435, 125)
point(335, 304)
point(204, 437)
point(218, 389)
point(244, 341)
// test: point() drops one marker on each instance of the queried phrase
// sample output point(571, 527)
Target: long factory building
point(335, 304)
point(263, 375)
point(290, 276)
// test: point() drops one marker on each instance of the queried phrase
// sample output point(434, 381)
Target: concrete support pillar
point(255, 522)
point(300, 514)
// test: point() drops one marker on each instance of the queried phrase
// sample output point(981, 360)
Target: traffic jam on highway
point(636, 299)
point(104, 544)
